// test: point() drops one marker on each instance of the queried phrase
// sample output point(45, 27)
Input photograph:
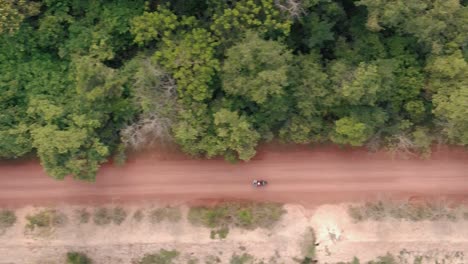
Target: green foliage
point(350, 131)
point(190, 59)
point(163, 257)
point(261, 15)
point(220, 77)
point(256, 69)
point(14, 12)
point(78, 258)
point(220, 233)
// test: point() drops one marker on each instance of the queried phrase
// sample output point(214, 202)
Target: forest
point(83, 81)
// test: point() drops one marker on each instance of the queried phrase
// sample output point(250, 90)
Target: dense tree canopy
point(82, 81)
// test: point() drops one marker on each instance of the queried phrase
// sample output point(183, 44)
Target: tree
point(13, 12)
point(235, 134)
point(154, 93)
point(350, 131)
point(449, 83)
point(435, 23)
point(357, 85)
point(190, 59)
point(256, 69)
point(263, 16)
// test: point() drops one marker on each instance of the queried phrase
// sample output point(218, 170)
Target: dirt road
point(296, 174)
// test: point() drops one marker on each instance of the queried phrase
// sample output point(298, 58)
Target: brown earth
point(296, 175)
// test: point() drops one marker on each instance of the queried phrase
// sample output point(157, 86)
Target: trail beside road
point(296, 175)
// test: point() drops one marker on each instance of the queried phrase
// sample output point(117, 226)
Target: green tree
point(256, 69)
point(350, 131)
point(235, 134)
point(12, 13)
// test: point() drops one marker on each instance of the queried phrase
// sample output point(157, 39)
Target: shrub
point(7, 219)
point(102, 216)
point(82, 216)
point(138, 215)
point(241, 259)
point(249, 216)
point(77, 258)
point(221, 233)
point(46, 219)
point(163, 257)
point(171, 214)
point(118, 215)
point(211, 259)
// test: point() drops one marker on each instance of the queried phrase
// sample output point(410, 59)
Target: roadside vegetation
point(170, 214)
point(242, 259)
point(7, 219)
point(308, 247)
point(432, 211)
point(162, 257)
point(78, 258)
point(104, 216)
point(82, 215)
point(46, 219)
point(242, 215)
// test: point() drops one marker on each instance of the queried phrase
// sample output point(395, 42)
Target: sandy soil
point(296, 174)
point(340, 239)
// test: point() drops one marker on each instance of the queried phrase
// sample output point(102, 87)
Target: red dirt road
point(296, 174)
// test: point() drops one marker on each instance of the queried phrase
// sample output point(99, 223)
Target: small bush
point(211, 259)
point(7, 219)
point(387, 259)
point(171, 214)
point(83, 216)
point(77, 258)
point(118, 215)
point(138, 216)
point(102, 216)
point(241, 259)
point(46, 219)
point(308, 244)
point(220, 233)
point(163, 257)
point(465, 215)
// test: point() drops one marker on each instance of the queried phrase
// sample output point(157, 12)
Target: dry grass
point(7, 219)
point(46, 219)
point(104, 216)
point(162, 257)
point(381, 210)
point(248, 216)
point(170, 214)
point(82, 216)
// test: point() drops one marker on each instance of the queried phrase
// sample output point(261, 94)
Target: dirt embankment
point(296, 175)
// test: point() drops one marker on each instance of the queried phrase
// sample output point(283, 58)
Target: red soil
point(308, 176)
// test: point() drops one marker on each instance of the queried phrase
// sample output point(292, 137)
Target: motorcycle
point(259, 183)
